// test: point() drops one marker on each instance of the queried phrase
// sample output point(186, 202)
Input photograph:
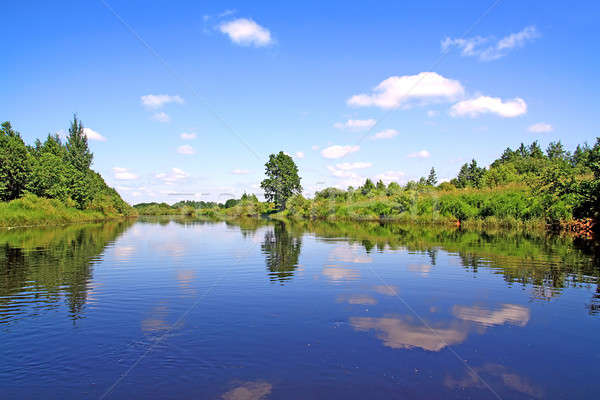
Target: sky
point(185, 100)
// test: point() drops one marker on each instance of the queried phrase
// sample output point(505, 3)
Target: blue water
point(265, 310)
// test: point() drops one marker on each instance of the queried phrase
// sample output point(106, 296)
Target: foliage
point(282, 180)
point(53, 170)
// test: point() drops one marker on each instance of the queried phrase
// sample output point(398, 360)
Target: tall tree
point(432, 178)
point(15, 163)
point(282, 180)
point(78, 152)
point(368, 187)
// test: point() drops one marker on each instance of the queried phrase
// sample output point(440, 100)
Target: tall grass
point(31, 210)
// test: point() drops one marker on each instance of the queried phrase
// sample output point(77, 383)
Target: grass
point(31, 210)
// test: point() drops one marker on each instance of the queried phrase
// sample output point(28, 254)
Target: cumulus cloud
point(420, 154)
point(432, 113)
point(299, 154)
point(240, 171)
point(186, 149)
point(540, 127)
point(123, 174)
point(354, 165)
point(391, 176)
point(246, 32)
point(161, 117)
point(172, 176)
point(398, 91)
point(488, 49)
point(356, 124)
point(93, 135)
point(485, 104)
point(337, 151)
point(385, 134)
point(158, 100)
point(187, 136)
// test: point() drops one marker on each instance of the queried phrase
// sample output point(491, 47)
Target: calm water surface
point(176, 309)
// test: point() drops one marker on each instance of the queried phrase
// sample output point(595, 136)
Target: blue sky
point(307, 78)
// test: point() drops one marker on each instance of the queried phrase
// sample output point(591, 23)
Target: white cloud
point(123, 174)
point(356, 124)
point(240, 171)
point(540, 127)
point(432, 113)
point(420, 154)
point(385, 134)
point(315, 147)
point(485, 104)
point(246, 32)
point(187, 136)
point(159, 100)
point(486, 49)
point(174, 175)
point(354, 165)
point(337, 151)
point(186, 149)
point(161, 117)
point(391, 176)
point(93, 135)
point(299, 154)
point(398, 91)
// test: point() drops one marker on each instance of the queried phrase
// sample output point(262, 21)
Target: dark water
point(256, 310)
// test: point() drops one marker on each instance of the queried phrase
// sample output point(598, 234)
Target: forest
point(51, 182)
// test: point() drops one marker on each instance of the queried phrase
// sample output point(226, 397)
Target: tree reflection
point(282, 250)
point(43, 265)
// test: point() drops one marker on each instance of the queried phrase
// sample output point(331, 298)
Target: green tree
point(368, 187)
point(432, 178)
point(15, 163)
point(78, 152)
point(469, 175)
point(282, 180)
point(380, 185)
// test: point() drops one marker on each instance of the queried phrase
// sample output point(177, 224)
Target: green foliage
point(15, 163)
point(282, 180)
point(78, 153)
point(53, 170)
point(432, 178)
point(368, 187)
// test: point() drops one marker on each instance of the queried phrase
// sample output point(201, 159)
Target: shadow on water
point(281, 248)
point(41, 266)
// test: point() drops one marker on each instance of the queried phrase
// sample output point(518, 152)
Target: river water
point(257, 309)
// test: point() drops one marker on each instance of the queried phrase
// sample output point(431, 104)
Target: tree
point(469, 175)
point(282, 180)
point(78, 152)
point(380, 185)
point(368, 187)
point(432, 178)
point(15, 163)
point(556, 151)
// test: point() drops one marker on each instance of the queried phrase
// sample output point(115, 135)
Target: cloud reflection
point(399, 333)
point(508, 313)
point(496, 372)
point(249, 391)
point(357, 299)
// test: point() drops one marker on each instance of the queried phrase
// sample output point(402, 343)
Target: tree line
point(55, 169)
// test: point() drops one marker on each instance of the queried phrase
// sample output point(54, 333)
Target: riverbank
point(31, 210)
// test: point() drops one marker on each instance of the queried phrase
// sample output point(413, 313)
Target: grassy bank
point(31, 210)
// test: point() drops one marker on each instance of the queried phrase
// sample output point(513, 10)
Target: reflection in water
point(40, 266)
point(282, 250)
point(157, 320)
point(388, 290)
point(497, 376)
point(421, 269)
point(357, 299)
point(508, 313)
point(403, 333)
point(249, 391)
